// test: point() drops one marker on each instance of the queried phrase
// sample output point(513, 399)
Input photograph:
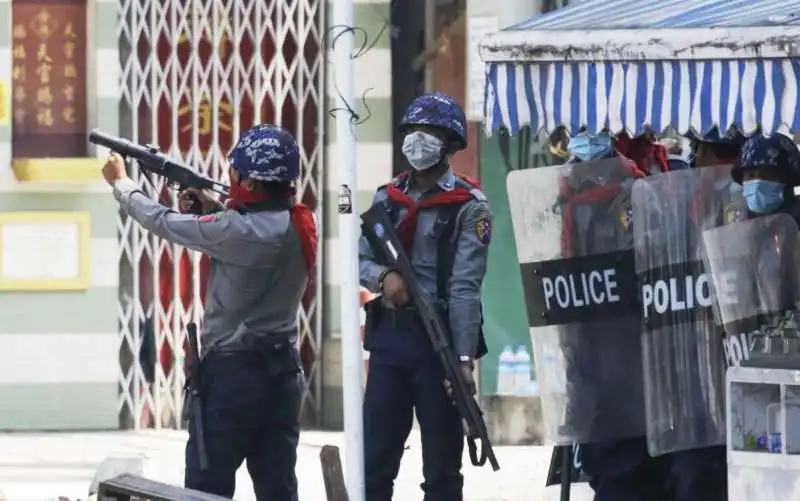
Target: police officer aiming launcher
point(262, 246)
point(444, 222)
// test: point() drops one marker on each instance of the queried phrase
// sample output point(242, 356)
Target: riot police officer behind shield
point(445, 224)
point(263, 252)
point(702, 472)
point(620, 469)
point(768, 168)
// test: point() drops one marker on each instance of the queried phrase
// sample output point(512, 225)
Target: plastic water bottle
point(506, 377)
point(522, 370)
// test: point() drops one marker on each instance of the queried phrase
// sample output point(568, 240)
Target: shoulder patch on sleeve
point(626, 216)
point(483, 229)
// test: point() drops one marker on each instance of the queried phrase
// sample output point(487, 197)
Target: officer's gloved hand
point(394, 288)
point(194, 201)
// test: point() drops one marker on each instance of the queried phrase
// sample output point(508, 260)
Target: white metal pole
point(349, 232)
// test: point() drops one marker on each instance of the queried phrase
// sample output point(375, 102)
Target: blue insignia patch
point(379, 230)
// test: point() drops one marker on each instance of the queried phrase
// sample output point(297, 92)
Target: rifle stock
point(380, 232)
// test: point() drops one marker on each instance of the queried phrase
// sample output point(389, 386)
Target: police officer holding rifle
point(444, 222)
point(262, 246)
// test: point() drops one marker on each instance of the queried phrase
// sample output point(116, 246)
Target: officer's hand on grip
point(114, 168)
point(194, 201)
point(466, 369)
point(394, 288)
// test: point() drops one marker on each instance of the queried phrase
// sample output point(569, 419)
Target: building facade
point(98, 342)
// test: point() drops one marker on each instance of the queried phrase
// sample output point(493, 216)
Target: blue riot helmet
point(439, 111)
point(768, 168)
point(266, 153)
point(433, 128)
point(678, 162)
point(585, 146)
point(715, 148)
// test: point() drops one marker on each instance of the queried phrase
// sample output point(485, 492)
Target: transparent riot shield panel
point(682, 346)
point(755, 271)
point(572, 227)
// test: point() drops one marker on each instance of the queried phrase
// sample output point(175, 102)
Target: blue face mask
point(587, 147)
point(763, 197)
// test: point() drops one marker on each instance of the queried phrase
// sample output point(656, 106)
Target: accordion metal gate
point(195, 74)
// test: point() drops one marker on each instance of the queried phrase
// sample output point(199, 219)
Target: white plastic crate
point(760, 402)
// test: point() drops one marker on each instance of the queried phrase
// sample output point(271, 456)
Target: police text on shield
point(685, 292)
point(575, 290)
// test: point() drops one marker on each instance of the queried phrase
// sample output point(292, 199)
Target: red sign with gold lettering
point(49, 79)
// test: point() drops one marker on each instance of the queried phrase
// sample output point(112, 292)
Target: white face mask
point(422, 150)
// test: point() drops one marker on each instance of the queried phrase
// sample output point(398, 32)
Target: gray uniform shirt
point(257, 276)
point(471, 239)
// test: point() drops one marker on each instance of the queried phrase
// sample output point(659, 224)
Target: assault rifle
point(150, 159)
point(194, 399)
point(382, 237)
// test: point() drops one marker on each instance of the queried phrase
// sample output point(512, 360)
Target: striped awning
point(629, 65)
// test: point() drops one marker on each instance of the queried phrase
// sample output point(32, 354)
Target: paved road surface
point(40, 467)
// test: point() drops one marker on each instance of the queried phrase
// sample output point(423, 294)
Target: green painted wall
point(505, 320)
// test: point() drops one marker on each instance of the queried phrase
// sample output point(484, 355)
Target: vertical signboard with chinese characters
point(49, 79)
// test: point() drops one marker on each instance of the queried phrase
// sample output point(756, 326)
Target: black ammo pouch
point(375, 313)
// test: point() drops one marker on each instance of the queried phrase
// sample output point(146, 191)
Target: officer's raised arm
point(469, 269)
point(369, 271)
point(215, 235)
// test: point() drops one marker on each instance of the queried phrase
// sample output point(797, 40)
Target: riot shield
point(682, 350)
point(574, 243)
point(755, 271)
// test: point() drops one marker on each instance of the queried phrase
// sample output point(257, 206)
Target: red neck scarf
point(595, 195)
point(302, 220)
point(408, 227)
point(643, 152)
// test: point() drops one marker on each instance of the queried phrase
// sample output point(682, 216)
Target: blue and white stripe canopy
point(629, 65)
